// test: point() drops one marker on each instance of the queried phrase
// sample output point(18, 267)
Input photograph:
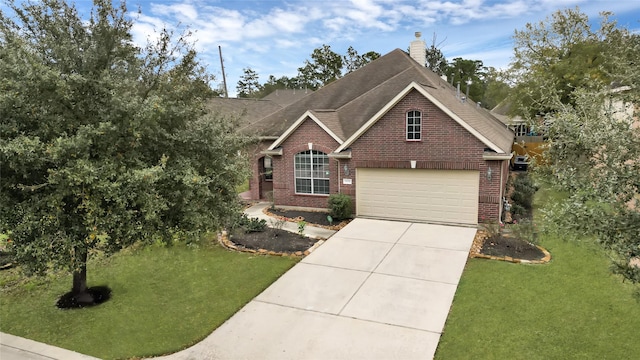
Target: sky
point(275, 37)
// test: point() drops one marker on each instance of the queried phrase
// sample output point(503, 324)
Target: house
point(530, 140)
point(393, 135)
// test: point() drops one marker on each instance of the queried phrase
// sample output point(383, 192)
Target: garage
point(438, 196)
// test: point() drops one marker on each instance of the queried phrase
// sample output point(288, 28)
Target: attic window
point(414, 125)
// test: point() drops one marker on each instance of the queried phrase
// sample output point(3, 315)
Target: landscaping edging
point(478, 241)
point(223, 239)
point(295, 220)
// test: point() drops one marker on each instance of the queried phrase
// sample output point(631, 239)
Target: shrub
point(340, 206)
point(247, 224)
point(523, 190)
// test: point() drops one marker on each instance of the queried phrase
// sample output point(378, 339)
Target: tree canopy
point(562, 51)
point(248, 85)
point(104, 143)
point(585, 82)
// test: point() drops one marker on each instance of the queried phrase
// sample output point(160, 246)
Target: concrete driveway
point(375, 290)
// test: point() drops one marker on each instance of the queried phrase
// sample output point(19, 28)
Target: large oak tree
point(585, 82)
point(104, 143)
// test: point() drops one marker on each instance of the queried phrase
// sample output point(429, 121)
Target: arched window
point(312, 172)
point(414, 125)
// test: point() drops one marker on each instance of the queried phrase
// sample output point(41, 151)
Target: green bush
point(523, 190)
point(247, 224)
point(340, 206)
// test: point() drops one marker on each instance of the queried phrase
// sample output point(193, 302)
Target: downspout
point(338, 163)
point(501, 192)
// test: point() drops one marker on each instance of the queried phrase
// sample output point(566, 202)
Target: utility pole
point(224, 77)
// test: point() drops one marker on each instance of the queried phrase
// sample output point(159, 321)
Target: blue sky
point(274, 37)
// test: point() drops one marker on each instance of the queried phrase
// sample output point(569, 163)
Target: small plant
point(340, 206)
point(525, 230)
point(493, 229)
point(277, 223)
point(269, 196)
point(329, 220)
point(247, 224)
point(301, 225)
point(255, 225)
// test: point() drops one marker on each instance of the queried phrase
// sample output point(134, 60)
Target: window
point(414, 125)
point(521, 129)
point(268, 168)
point(312, 172)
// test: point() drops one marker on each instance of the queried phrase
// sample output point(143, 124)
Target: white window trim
point(295, 187)
point(406, 126)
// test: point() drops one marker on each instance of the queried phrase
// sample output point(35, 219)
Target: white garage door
point(440, 196)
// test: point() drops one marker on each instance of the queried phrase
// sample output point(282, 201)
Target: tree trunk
point(79, 289)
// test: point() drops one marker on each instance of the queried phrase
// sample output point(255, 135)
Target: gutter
point(496, 156)
point(346, 154)
point(274, 152)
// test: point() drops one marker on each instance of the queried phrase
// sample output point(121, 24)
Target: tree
point(562, 51)
point(594, 142)
point(496, 87)
point(436, 61)
point(353, 61)
point(104, 144)
point(248, 85)
point(325, 66)
point(467, 72)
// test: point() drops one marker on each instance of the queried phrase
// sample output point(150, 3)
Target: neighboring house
point(392, 135)
point(529, 141)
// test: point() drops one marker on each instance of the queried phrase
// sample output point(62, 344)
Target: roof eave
point(346, 154)
point(496, 156)
point(274, 152)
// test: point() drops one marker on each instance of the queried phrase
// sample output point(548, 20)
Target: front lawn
point(570, 308)
point(164, 299)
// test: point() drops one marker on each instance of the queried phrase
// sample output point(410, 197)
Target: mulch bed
point(503, 246)
point(279, 241)
point(312, 218)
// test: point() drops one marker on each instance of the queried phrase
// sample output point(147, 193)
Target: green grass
point(163, 300)
point(243, 187)
point(570, 308)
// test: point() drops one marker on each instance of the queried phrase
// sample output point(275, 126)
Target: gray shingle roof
point(356, 98)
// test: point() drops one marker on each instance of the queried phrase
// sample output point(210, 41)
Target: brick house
point(393, 135)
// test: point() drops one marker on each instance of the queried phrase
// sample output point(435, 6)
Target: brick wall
point(283, 166)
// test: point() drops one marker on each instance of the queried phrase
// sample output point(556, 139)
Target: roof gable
point(423, 92)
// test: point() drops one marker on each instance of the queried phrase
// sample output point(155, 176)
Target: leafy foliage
point(249, 225)
point(594, 141)
point(104, 143)
point(301, 226)
point(324, 67)
point(562, 53)
point(353, 61)
point(340, 206)
point(523, 191)
point(248, 85)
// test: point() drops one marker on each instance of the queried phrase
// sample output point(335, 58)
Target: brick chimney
point(418, 49)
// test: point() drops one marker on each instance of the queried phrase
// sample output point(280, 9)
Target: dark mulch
point(98, 295)
point(280, 241)
point(312, 217)
point(508, 246)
